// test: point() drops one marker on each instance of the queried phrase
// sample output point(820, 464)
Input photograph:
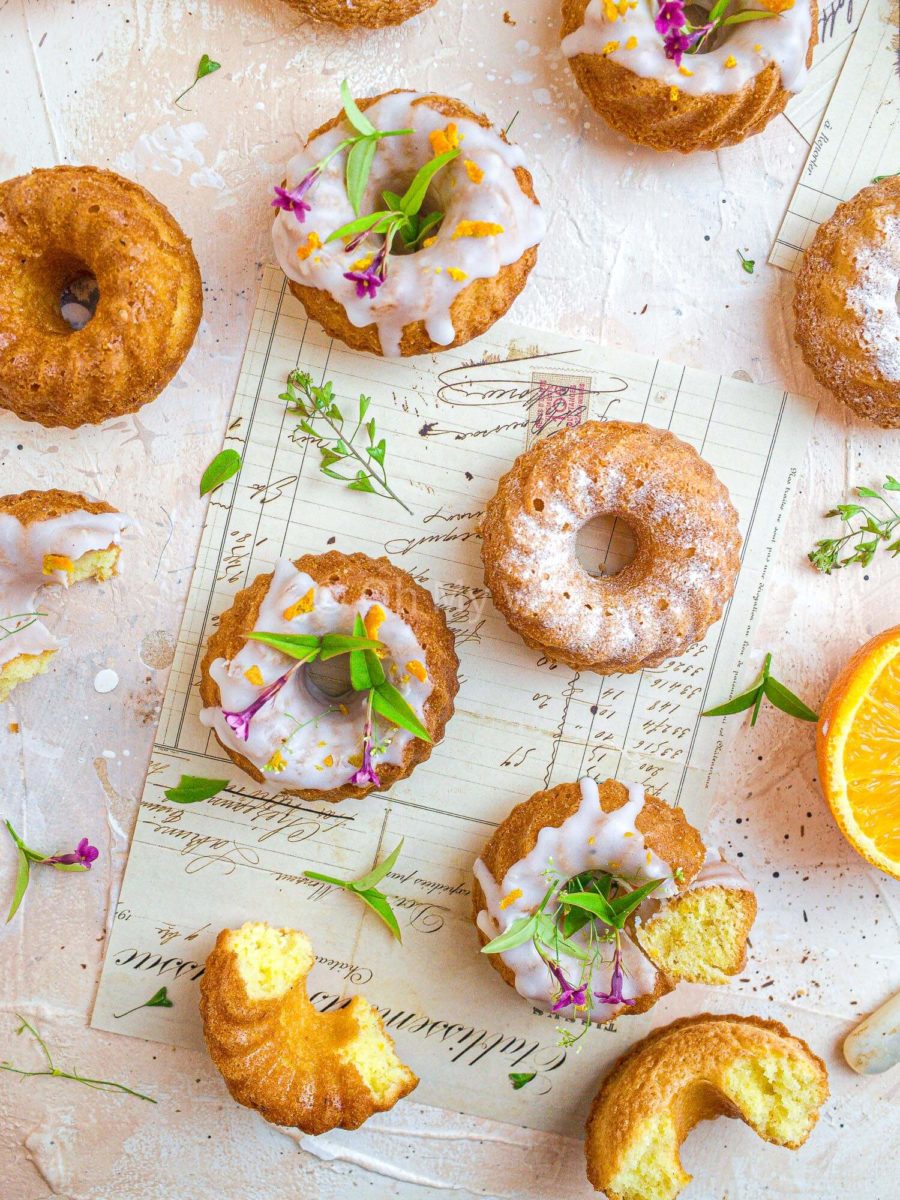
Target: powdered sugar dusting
point(875, 297)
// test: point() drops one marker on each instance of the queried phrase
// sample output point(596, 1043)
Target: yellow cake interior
point(700, 936)
point(650, 1167)
point(270, 961)
point(372, 1053)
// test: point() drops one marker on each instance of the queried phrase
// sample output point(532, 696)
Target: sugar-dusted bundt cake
point(401, 287)
point(370, 14)
point(664, 75)
point(690, 1071)
point(63, 223)
point(276, 1053)
point(275, 720)
point(684, 568)
point(47, 537)
point(683, 914)
point(845, 306)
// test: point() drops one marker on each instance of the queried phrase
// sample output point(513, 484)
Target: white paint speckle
point(106, 681)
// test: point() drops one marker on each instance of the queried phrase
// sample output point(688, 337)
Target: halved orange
point(858, 748)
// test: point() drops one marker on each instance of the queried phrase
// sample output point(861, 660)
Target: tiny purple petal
point(292, 201)
point(569, 994)
point(239, 722)
point(671, 16)
point(367, 282)
point(82, 856)
point(614, 995)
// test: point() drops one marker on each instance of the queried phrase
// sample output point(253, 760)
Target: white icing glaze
point(716, 872)
point(22, 552)
point(875, 297)
point(783, 40)
point(417, 286)
point(589, 839)
point(291, 722)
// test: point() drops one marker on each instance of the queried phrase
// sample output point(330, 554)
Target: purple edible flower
point(569, 994)
point(671, 16)
point(677, 44)
point(367, 774)
point(83, 855)
point(614, 995)
point(370, 280)
point(239, 722)
point(292, 201)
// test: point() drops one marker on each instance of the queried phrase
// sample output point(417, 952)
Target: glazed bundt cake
point(47, 537)
point(690, 1071)
point(846, 308)
point(277, 1054)
point(274, 720)
point(686, 915)
point(685, 565)
point(66, 223)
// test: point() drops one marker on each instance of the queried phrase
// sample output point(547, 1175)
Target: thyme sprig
point(27, 618)
point(870, 532)
point(159, 999)
point(317, 407)
point(366, 888)
point(55, 1072)
point(766, 687)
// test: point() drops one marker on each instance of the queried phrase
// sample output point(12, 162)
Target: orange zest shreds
point(476, 229)
point(758, 48)
point(343, 709)
point(685, 70)
point(510, 897)
point(610, 10)
point(373, 620)
point(614, 864)
point(591, 841)
point(312, 243)
point(13, 727)
point(631, 44)
point(418, 669)
point(304, 605)
point(428, 242)
point(649, 856)
point(444, 140)
point(457, 274)
point(57, 562)
point(777, 6)
point(361, 263)
point(328, 761)
point(730, 61)
point(355, 760)
point(673, 93)
point(627, 833)
point(254, 675)
point(610, 47)
point(474, 172)
point(276, 763)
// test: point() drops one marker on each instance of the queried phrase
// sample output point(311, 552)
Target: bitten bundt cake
point(684, 568)
point(675, 75)
point(376, 721)
point(594, 901)
point(277, 1053)
point(67, 223)
point(424, 267)
point(690, 1071)
point(846, 307)
point(370, 14)
point(47, 537)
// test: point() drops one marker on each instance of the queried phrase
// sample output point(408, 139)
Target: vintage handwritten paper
point(454, 424)
point(859, 138)
point(838, 21)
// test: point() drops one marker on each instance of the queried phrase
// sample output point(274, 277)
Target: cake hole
point(78, 299)
point(329, 681)
point(605, 546)
point(697, 15)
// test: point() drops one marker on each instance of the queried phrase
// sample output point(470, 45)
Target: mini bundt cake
point(275, 721)
point(47, 537)
point(683, 572)
point(690, 1071)
point(664, 75)
point(689, 918)
point(277, 1054)
point(845, 306)
point(401, 287)
point(369, 14)
point(68, 223)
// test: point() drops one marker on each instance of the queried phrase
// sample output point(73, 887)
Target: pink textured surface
point(640, 253)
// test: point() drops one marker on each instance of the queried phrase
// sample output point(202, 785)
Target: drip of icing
point(23, 549)
point(782, 40)
point(874, 298)
point(589, 839)
point(716, 872)
point(418, 286)
point(291, 724)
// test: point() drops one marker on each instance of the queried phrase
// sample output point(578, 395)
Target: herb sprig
point(159, 999)
point(317, 405)
point(226, 464)
point(79, 859)
point(367, 890)
point(766, 687)
point(871, 531)
point(307, 647)
point(51, 1069)
point(191, 789)
point(748, 264)
point(28, 618)
point(520, 1078)
point(206, 66)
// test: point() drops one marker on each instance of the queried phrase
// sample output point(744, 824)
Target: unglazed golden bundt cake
point(846, 308)
point(371, 14)
point(692, 923)
point(623, 60)
point(447, 287)
point(47, 537)
point(690, 1071)
point(274, 720)
point(277, 1054)
point(685, 565)
point(65, 222)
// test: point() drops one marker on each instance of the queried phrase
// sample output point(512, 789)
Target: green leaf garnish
point(875, 530)
point(387, 701)
point(206, 66)
point(359, 165)
point(193, 788)
point(749, 264)
point(159, 999)
point(519, 1078)
point(220, 470)
point(23, 875)
point(766, 686)
point(365, 889)
point(414, 196)
point(521, 931)
point(355, 116)
point(306, 647)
